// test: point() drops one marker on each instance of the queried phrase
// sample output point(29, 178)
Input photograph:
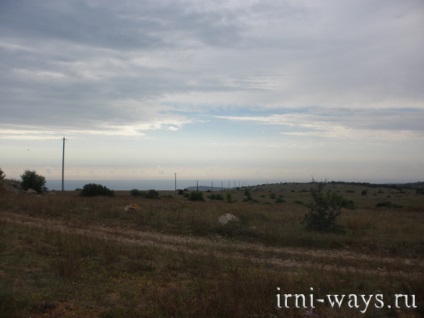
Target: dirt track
point(280, 257)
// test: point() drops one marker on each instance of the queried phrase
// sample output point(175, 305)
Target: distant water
point(120, 185)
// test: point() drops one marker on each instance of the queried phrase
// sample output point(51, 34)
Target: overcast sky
point(244, 89)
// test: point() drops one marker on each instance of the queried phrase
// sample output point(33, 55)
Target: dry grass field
point(63, 255)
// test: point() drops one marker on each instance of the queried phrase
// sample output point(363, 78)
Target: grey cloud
point(72, 62)
point(326, 122)
point(119, 25)
point(74, 21)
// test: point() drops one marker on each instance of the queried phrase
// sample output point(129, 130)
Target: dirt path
point(280, 257)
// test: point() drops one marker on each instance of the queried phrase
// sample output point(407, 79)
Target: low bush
point(216, 196)
point(387, 204)
point(280, 199)
point(136, 193)
point(248, 196)
point(92, 189)
point(152, 194)
point(196, 196)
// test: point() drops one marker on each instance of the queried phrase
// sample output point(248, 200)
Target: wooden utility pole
point(63, 165)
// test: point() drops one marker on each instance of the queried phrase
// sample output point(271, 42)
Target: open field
point(62, 255)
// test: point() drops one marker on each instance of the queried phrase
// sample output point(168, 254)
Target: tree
point(324, 210)
point(32, 180)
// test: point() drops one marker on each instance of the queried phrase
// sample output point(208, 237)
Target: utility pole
point(63, 165)
point(197, 186)
point(175, 184)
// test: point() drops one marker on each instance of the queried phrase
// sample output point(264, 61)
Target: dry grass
point(47, 272)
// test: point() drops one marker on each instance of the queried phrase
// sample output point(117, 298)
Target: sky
point(276, 90)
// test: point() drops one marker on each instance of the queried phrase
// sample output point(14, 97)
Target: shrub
point(324, 210)
point(2, 176)
point(387, 204)
point(248, 196)
point(196, 196)
point(92, 189)
point(280, 199)
point(152, 194)
point(216, 196)
point(31, 180)
point(136, 193)
point(228, 197)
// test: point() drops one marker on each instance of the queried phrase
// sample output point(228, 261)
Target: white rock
point(131, 207)
point(227, 218)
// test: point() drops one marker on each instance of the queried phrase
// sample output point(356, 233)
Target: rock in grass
point(228, 218)
point(131, 207)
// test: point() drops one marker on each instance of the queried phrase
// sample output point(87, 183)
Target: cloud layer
point(147, 69)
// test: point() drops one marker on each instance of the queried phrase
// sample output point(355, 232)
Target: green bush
point(92, 189)
point(196, 196)
point(347, 204)
point(280, 199)
point(216, 196)
point(248, 196)
point(324, 210)
point(387, 204)
point(31, 180)
point(136, 193)
point(152, 194)
point(2, 175)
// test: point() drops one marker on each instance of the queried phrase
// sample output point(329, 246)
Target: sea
point(125, 185)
